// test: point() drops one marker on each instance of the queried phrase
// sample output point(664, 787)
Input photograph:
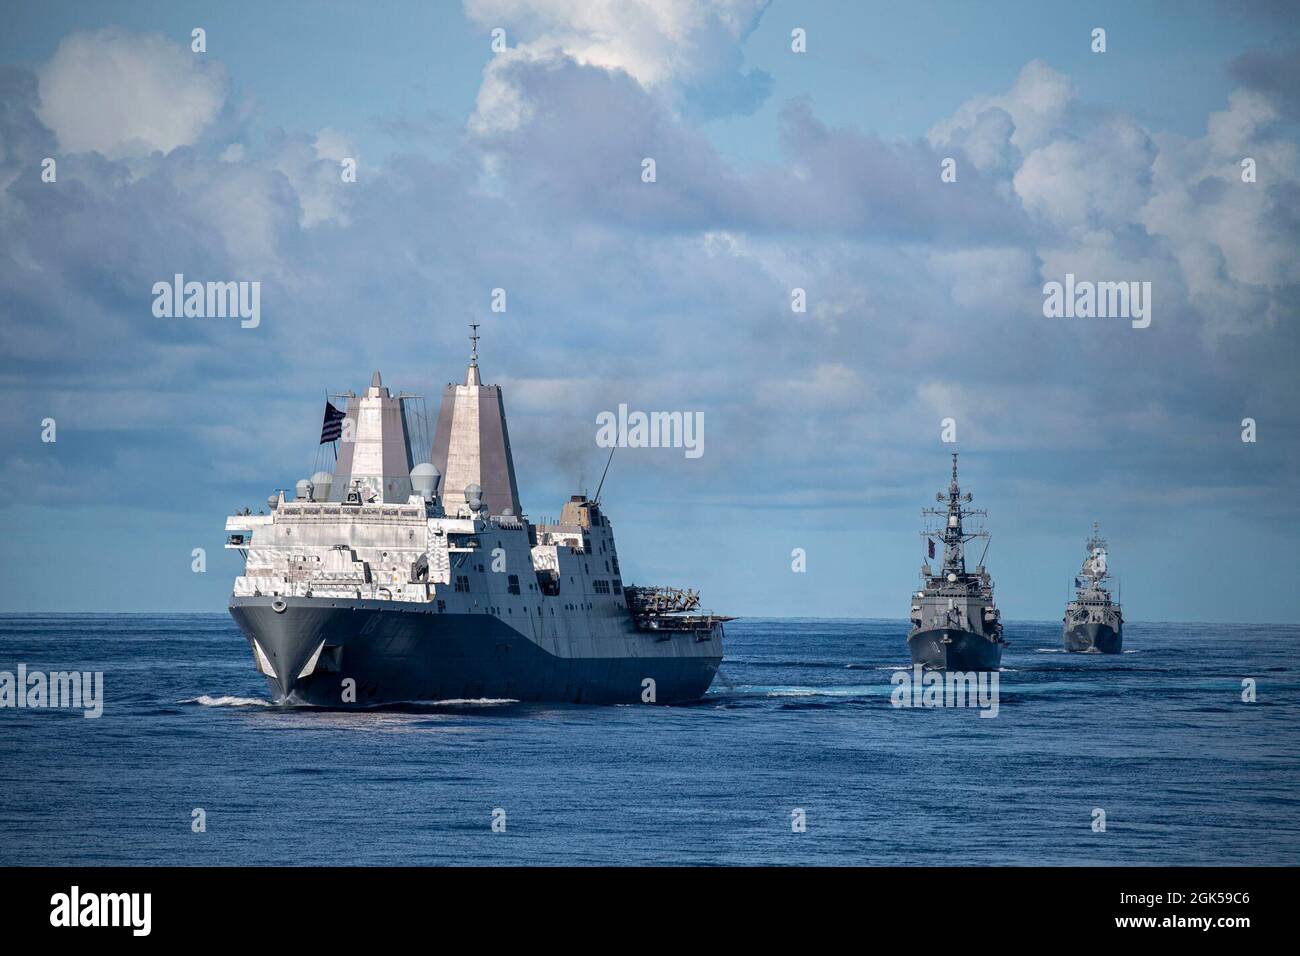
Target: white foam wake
point(468, 702)
point(228, 701)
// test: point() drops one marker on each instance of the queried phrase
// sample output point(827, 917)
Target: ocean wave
point(754, 692)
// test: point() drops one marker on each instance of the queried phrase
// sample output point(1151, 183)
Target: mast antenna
point(596, 500)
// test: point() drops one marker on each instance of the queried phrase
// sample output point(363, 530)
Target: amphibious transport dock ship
point(375, 585)
point(1093, 622)
point(955, 624)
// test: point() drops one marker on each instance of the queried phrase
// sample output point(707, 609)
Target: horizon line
point(737, 617)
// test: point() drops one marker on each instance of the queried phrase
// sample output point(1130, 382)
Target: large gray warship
point(955, 623)
point(1093, 622)
point(394, 578)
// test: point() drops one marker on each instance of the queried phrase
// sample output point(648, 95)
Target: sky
point(521, 168)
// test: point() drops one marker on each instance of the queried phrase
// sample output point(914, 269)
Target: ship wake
point(226, 700)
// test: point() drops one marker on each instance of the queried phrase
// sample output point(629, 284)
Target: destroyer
point(955, 624)
point(1093, 622)
point(373, 585)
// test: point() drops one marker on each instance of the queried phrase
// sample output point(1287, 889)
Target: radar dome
point(321, 482)
point(424, 480)
point(272, 501)
point(303, 489)
point(474, 497)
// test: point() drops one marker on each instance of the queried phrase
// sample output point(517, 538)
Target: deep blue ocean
point(799, 717)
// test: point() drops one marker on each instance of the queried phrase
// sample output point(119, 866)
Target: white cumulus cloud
point(669, 45)
point(125, 95)
point(1038, 105)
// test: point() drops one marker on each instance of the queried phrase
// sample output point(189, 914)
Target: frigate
point(955, 623)
point(1093, 622)
point(393, 578)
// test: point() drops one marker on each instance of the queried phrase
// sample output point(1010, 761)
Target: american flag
point(331, 428)
point(931, 543)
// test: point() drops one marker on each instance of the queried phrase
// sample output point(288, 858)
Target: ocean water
point(799, 718)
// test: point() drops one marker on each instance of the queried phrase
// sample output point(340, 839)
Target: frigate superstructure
point(955, 623)
point(1094, 622)
point(375, 585)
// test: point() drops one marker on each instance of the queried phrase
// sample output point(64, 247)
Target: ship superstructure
point(1093, 621)
point(375, 584)
point(955, 623)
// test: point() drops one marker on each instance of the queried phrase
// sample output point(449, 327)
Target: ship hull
point(954, 649)
point(397, 655)
point(1095, 637)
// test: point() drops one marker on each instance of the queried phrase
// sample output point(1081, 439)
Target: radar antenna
point(953, 533)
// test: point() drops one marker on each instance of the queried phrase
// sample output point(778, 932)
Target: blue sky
point(775, 170)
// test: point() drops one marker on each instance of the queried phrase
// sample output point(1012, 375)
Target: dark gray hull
point(397, 655)
point(955, 650)
point(1101, 638)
